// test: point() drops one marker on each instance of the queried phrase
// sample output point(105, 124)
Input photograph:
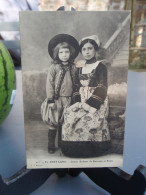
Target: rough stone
point(118, 133)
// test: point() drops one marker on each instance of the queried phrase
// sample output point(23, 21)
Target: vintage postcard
point(74, 70)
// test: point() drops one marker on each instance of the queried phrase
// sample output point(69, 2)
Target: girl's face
point(64, 54)
point(88, 51)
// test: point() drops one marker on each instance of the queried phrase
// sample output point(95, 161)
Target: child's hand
point(85, 106)
point(73, 106)
point(92, 110)
point(52, 105)
point(88, 108)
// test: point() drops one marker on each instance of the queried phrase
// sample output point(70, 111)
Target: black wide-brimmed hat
point(63, 38)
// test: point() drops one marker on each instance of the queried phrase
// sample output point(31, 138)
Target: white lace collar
point(88, 68)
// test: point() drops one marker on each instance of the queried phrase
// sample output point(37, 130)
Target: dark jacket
point(98, 79)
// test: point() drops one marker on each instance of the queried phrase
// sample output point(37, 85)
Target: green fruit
point(7, 82)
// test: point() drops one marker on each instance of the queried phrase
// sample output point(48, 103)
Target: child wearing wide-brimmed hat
point(62, 86)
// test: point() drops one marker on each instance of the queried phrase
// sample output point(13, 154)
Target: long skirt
point(85, 133)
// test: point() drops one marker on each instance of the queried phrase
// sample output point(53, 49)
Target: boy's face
point(64, 54)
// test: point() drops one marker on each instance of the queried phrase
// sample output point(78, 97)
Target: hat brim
point(63, 38)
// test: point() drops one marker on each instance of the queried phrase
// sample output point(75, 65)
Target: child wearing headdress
point(85, 130)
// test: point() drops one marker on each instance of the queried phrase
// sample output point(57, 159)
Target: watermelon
point(7, 82)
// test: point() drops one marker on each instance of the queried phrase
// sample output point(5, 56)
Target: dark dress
point(85, 131)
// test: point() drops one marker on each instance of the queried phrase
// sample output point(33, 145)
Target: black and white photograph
point(74, 77)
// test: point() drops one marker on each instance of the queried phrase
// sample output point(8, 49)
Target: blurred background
point(13, 149)
point(9, 18)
